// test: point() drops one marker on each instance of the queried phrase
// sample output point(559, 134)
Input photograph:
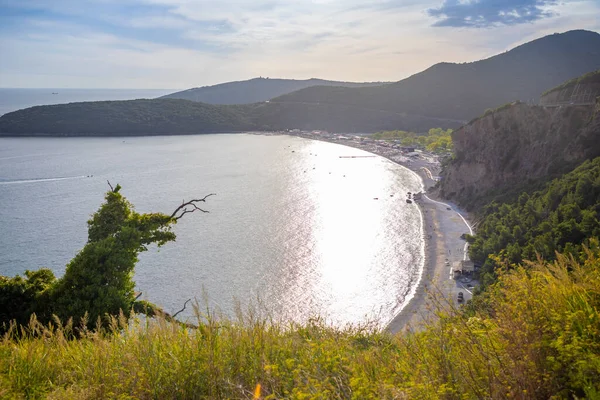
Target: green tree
point(98, 281)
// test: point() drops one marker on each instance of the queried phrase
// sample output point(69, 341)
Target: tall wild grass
point(535, 335)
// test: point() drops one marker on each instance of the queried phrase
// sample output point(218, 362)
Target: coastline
point(443, 225)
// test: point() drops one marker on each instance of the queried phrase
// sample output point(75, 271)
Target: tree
point(98, 281)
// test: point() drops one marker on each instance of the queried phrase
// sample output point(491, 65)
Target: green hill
point(128, 118)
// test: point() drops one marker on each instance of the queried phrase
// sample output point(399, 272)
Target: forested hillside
point(124, 118)
point(562, 217)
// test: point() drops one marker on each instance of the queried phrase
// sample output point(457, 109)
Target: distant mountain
point(255, 90)
point(463, 91)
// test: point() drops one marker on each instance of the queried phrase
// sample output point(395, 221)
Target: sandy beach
point(443, 227)
point(443, 224)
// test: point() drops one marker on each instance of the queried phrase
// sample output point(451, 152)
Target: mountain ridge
point(256, 90)
point(463, 91)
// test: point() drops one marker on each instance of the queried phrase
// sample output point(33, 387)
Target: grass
point(590, 77)
point(534, 334)
point(490, 111)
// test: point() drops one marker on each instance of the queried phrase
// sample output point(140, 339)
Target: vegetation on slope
point(183, 117)
point(437, 140)
point(539, 338)
point(590, 77)
point(126, 118)
point(561, 217)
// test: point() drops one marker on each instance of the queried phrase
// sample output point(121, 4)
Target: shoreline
point(443, 225)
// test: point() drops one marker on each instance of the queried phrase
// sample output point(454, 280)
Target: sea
point(17, 98)
point(298, 228)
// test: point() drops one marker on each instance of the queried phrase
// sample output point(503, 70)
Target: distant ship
point(54, 92)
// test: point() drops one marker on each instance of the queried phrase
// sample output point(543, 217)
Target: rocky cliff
point(581, 90)
point(517, 146)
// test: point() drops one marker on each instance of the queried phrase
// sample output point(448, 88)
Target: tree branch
point(110, 186)
point(152, 310)
point(184, 304)
point(189, 207)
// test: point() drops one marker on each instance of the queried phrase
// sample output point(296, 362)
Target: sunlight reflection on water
point(307, 232)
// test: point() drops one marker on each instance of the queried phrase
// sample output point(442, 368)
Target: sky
point(178, 44)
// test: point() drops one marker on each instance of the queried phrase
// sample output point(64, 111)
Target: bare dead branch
point(189, 207)
point(110, 186)
point(184, 304)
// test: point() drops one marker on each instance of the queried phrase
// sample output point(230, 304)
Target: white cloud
point(205, 42)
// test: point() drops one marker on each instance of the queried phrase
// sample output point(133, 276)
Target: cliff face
point(516, 146)
point(574, 94)
point(581, 90)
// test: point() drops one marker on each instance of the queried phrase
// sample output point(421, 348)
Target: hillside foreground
point(538, 337)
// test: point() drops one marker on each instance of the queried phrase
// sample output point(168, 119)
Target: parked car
point(461, 297)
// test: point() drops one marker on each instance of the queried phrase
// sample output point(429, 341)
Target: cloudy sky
point(185, 43)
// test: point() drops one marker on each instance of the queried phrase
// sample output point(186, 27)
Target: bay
point(293, 227)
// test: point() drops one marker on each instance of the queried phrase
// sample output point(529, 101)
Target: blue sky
point(187, 43)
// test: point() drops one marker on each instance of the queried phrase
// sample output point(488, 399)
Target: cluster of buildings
point(392, 150)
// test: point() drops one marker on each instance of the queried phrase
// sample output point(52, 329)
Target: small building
point(465, 267)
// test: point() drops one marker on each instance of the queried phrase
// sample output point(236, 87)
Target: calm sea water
point(293, 227)
point(16, 99)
